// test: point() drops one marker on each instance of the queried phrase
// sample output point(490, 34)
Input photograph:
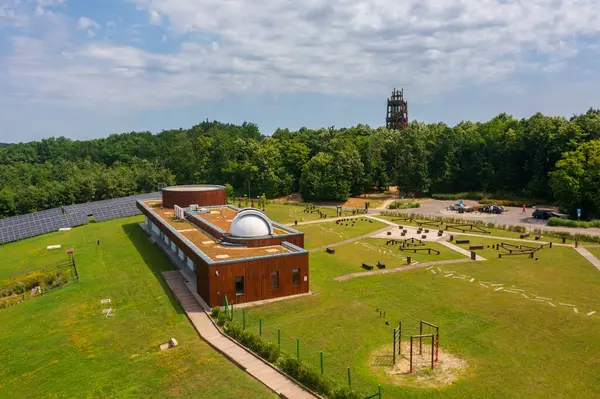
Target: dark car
point(492, 209)
point(544, 214)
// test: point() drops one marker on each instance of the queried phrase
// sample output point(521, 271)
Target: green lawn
point(595, 252)
point(289, 213)
point(325, 233)
point(514, 347)
point(348, 258)
point(61, 345)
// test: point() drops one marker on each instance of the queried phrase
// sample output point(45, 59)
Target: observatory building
point(229, 252)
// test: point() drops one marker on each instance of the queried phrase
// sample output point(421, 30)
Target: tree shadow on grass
point(154, 258)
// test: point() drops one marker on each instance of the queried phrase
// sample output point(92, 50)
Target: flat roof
point(206, 243)
point(195, 187)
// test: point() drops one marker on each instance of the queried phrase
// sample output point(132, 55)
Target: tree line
point(551, 159)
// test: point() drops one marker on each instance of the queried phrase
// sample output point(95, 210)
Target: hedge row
point(573, 223)
point(404, 205)
point(296, 369)
point(487, 198)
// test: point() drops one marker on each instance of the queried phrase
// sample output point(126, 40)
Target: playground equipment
point(515, 250)
point(467, 227)
point(419, 355)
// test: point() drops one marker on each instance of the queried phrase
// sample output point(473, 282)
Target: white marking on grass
point(512, 291)
point(551, 304)
point(591, 313)
point(483, 285)
point(53, 246)
point(495, 285)
point(105, 310)
point(433, 272)
point(575, 310)
point(429, 268)
point(486, 282)
point(525, 296)
point(499, 289)
point(439, 270)
point(566, 304)
point(448, 275)
point(471, 280)
point(541, 297)
point(537, 300)
point(105, 301)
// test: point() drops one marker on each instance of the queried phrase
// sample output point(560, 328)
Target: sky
point(90, 68)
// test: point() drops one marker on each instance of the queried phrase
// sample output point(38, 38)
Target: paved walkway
point(401, 269)
point(271, 377)
point(348, 241)
point(460, 250)
point(591, 258)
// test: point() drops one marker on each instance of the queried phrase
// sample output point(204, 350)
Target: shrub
point(306, 375)
point(264, 349)
point(214, 312)
point(573, 223)
point(221, 319)
point(404, 205)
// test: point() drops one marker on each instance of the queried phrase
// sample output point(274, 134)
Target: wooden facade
point(215, 279)
point(207, 196)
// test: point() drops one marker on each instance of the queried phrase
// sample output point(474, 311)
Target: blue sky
point(89, 68)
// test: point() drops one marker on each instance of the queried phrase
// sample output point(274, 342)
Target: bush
point(214, 312)
point(404, 205)
point(307, 376)
point(573, 223)
point(221, 319)
point(264, 349)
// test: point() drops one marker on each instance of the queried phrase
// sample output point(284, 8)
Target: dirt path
point(401, 269)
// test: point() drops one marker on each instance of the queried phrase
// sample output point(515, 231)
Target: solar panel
point(37, 223)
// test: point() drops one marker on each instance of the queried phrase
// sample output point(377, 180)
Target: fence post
point(321, 353)
point(379, 391)
point(394, 350)
point(279, 339)
point(349, 379)
point(260, 326)
point(298, 348)
point(420, 338)
point(244, 319)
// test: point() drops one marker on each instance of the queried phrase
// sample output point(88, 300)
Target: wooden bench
point(424, 236)
point(440, 233)
point(462, 241)
point(526, 235)
point(330, 250)
point(367, 266)
point(389, 233)
point(380, 265)
point(537, 238)
point(475, 247)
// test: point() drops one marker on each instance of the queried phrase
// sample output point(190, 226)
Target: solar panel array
point(33, 224)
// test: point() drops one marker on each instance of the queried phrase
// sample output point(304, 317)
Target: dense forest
point(547, 158)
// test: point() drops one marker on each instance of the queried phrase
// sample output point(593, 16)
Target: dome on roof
point(250, 223)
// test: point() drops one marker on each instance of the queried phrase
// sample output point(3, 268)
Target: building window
point(275, 280)
point(239, 285)
point(296, 276)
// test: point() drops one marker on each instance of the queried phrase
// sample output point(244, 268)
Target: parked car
point(497, 209)
point(460, 208)
point(544, 214)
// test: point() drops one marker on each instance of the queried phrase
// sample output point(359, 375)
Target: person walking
point(523, 213)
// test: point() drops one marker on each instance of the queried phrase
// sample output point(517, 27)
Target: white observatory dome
point(250, 223)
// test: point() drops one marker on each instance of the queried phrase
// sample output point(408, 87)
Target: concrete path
point(401, 269)
point(348, 241)
point(460, 250)
point(591, 258)
point(268, 375)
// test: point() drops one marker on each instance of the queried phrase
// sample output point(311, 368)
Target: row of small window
point(239, 281)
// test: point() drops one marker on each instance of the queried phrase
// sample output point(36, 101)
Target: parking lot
point(511, 215)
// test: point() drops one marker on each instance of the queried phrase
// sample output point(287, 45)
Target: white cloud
point(155, 17)
point(87, 23)
point(329, 46)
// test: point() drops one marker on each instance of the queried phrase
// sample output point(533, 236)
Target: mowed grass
point(289, 213)
point(493, 231)
point(514, 347)
point(61, 345)
point(325, 233)
point(348, 258)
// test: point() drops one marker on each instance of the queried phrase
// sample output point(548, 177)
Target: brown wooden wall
point(183, 199)
point(256, 272)
point(257, 279)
